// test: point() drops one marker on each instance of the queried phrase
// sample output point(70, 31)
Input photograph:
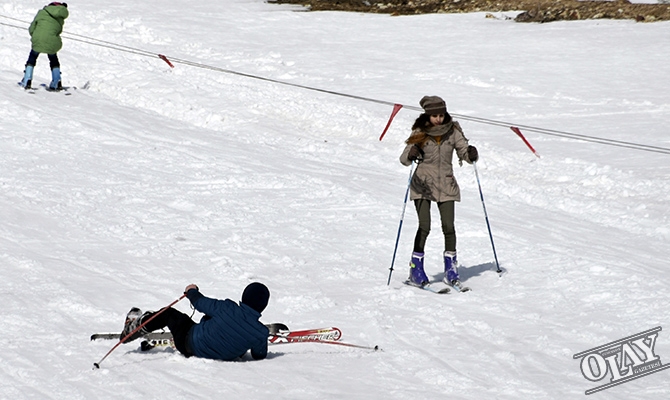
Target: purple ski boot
point(416, 274)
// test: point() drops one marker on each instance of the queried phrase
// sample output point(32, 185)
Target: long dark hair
point(420, 127)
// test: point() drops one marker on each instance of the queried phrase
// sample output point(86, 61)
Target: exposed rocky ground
point(521, 10)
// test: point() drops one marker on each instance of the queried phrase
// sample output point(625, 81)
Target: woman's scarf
point(440, 130)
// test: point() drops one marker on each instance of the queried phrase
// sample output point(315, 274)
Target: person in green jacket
point(45, 33)
point(435, 138)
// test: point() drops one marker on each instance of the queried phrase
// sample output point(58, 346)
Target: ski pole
point(486, 215)
point(402, 216)
point(335, 342)
point(123, 339)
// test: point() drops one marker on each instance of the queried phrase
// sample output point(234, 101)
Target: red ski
point(306, 335)
point(276, 336)
point(329, 335)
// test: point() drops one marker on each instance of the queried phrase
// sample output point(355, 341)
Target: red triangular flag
point(162, 57)
point(518, 132)
point(396, 108)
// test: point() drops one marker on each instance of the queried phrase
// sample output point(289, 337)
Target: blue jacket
point(227, 330)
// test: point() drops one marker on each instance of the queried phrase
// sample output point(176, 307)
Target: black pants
point(177, 322)
point(53, 59)
point(446, 215)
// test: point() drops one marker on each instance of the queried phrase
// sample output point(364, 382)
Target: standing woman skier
point(45, 33)
point(435, 136)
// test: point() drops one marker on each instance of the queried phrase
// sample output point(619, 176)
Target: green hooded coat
point(46, 29)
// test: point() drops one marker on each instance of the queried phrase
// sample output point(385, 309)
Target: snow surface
point(153, 178)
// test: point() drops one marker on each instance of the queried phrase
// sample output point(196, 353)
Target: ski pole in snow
point(123, 339)
point(335, 342)
point(486, 215)
point(402, 216)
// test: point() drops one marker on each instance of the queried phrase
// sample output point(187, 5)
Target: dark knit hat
point(433, 105)
point(256, 296)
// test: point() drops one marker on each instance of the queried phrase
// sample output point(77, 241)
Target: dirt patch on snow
point(524, 10)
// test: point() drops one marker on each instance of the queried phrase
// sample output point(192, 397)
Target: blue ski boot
point(451, 269)
point(416, 274)
point(55, 79)
point(27, 77)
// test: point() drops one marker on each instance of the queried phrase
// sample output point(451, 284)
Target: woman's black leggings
point(446, 215)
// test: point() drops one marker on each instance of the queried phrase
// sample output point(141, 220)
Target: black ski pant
point(53, 59)
point(177, 322)
point(447, 211)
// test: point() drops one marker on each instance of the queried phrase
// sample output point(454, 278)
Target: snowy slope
point(152, 178)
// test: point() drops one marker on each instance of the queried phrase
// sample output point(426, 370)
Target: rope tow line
point(516, 128)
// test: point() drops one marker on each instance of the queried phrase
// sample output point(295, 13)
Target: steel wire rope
point(486, 121)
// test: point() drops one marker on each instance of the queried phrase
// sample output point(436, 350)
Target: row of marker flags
point(397, 107)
